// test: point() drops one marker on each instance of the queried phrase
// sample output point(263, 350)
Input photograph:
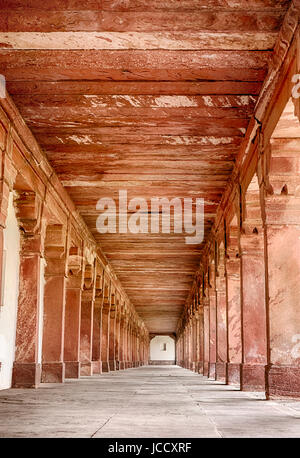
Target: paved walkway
point(161, 401)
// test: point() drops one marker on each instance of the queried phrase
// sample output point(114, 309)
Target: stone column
point(129, 352)
point(254, 341)
point(178, 349)
point(72, 326)
point(87, 316)
point(112, 333)
point(222, 350)
point(205, 323)
point(194, 341)
point(105, 329)
point(197, 341)
point(186, 346)
point(117, 336)
point(200, 322)
point(97, 325)
point(212, 324)
point(97, 321)
point(27, 365)
point(133, 346)
point(129, 344)
point(128, 347)
point(53, 367)
point(281, 199)
point(205, 336)
point(183, 345)
point(125, 341)
point(233, 276)
point(122, 350)
point(133, 340)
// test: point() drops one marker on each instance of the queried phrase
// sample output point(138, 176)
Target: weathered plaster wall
point(8, 313)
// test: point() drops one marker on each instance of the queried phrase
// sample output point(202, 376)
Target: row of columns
point(241, 324)
point(73, 318)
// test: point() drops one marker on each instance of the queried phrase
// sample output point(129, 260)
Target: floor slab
point(150, 401)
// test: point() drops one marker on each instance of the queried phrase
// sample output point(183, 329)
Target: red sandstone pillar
point(197, 342)
point(86, 333)
point(254, 342)
point(105, 330)
point(72, 326)
point(134, 361)
point(122, 340)
point(27, 365)
point(282, 240)
point(212, 324)
point(233, 268)
point(117, 336)
point(178, 349)
point(87, 316)
point(128, 348)
point(126, 342)
point(96, 351)
point(112, 334)
point(97, 322)
point(222, 350)
point(194, 343)
point(200, 331)
point(187, 363)
point(186, 347)
point(53, 367)
point(205, 336)
point(129, 344)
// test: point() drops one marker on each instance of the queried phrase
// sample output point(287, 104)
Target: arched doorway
point(162, 350)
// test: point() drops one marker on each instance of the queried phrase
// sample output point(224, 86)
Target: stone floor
point(151, 401)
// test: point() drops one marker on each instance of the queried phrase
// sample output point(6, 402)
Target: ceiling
point(149, 97)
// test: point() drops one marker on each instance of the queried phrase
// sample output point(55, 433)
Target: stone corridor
point(150, 218)
point(145, 402)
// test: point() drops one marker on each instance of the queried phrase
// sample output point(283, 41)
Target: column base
point(234, 373)
point(96, 367)
point(122, 365)
point(86, 369)
point(112, 365)
point(283, 382)
point(53, 372)
point(253, 377)
point(205, 368)
point(105, 366)
point(221, 371)
point(26, 375)
point(200, 367)
point(72, 369)
point(212, 370)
